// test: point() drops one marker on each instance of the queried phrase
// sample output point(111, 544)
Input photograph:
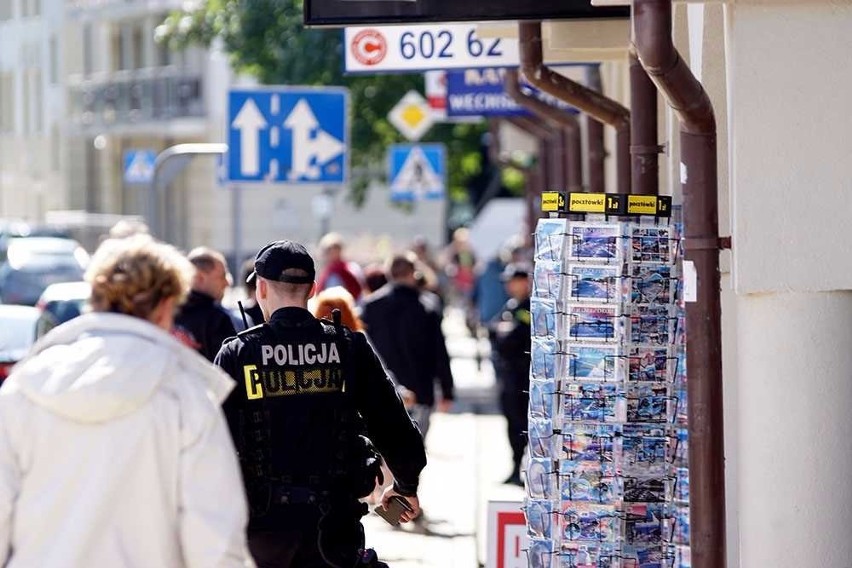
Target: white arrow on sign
point(309, 151)
point(249, 121)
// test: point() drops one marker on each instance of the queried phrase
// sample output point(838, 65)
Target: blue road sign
point(288, 135)
point(417, 171)
point(139, 166)
point(479, 92)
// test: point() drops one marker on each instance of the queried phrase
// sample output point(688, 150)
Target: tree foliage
point(266, 39)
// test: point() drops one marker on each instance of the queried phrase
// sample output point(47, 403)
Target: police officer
point(311, 400)
point(509, 332)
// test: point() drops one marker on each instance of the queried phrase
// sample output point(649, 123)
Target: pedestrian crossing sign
point(139, 166)
point(417, 171)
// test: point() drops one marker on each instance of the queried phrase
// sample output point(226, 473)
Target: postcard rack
point(607, 482)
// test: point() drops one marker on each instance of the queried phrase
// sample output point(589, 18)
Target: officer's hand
point(445, 405)
point(409, 399)
point(413, 503)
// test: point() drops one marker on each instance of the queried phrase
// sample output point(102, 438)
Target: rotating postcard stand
point(607, 483)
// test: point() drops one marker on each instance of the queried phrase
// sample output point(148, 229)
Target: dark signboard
point(357, 12)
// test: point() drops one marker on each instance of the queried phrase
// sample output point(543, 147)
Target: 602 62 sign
point(428, 44)
point(424, 47)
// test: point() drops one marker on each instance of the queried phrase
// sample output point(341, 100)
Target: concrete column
point(790, 173)
point(795, 436)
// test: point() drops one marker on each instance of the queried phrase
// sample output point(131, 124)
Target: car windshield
point(17, 329)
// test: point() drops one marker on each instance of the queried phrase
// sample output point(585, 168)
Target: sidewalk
point(469, 457)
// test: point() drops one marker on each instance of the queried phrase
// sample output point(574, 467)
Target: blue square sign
point(417, 171)
point(286, 135)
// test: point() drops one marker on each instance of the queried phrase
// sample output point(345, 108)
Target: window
point(55, 148)
point(54, 60)
point(36, 106)
point(138, 50)
point(7, 103)
point(88, 55)
point(5, 10)
point(27, 100)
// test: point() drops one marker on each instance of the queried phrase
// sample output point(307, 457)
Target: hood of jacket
point(102, 366)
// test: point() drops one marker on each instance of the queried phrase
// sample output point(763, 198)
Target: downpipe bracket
point(707, 243)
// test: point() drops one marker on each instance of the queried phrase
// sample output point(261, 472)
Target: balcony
point(142, 97)
point(118, 9)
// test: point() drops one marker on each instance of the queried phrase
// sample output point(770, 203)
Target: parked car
point(10, 229)
point(17, 334)
point(60, 303)
point(33, 263)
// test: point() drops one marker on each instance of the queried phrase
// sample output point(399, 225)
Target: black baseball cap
point(276, 257)
point(515, 270)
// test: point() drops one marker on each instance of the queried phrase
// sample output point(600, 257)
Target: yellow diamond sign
point(412, 116)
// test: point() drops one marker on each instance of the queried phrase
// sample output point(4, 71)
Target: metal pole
point(652, 38)
point(595, 137)
point(156, 189)
point(237, 225)
point(570, 151)
point(588, 101)
point(645, 175)
point(538, 178)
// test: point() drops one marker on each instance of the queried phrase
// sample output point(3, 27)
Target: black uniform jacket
point(405, 327)
point(510, 337)
point(203, 324)
point(295, 339)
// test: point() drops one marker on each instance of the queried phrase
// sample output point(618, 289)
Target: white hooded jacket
point(114, 452)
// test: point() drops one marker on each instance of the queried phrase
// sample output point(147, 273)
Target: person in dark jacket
point(312, 399)
point(510, 338)
point(254, 315)
point(202, 323)
point(405, 328)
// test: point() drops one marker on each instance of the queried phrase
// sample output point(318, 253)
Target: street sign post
point(347, 12)
point(417, 171)
point(295, 135)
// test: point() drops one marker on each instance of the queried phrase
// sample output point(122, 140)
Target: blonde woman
point(113, 447)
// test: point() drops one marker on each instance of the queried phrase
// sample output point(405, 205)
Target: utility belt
point(294, 495)
point(287, 495)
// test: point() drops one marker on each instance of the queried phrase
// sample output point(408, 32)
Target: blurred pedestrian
point(337, 271)
point(312, 400)
point(251, 308)
point(510, 340)
point(405, 327)
point(323, 306)
point(112, 441)
point(460, 266)
point(374, 278)
point(337, 298)
point(202, 323)
point(429, 272)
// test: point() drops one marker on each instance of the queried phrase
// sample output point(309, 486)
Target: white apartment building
point(32, 108)
point(125, 92)
point(82, 82)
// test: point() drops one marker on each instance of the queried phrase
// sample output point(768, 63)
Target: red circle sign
point(369, 47)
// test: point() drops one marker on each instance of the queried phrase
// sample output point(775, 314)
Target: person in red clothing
point(337, 271)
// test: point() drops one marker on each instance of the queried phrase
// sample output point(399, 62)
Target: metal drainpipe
point(595, 137)
point(539, 178)
point(652, 40)
point(645, 175)
point(586, 100)
point(572, 157)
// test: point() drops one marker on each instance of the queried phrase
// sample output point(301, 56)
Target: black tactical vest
point(298, 425)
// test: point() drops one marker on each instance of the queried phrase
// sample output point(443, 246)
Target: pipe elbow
point(652, 35)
